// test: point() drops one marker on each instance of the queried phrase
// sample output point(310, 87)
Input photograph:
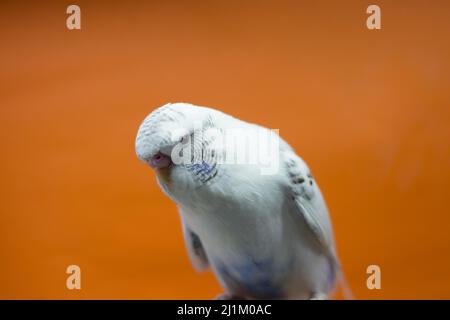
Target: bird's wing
point(309, 203)
point(194, 247)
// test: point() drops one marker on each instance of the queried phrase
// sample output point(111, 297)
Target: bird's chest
point(245, 246)
point(237, 228)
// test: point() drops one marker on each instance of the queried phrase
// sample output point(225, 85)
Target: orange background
point(368, 110)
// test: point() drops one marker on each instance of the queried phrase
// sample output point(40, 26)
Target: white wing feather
point(309, 201)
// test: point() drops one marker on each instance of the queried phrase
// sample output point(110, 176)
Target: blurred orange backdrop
point(368, 110)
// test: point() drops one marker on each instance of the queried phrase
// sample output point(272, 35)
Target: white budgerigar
point(265, 234)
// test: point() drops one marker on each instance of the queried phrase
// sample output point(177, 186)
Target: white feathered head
point(169, 127)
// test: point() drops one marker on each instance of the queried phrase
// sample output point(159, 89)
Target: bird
point(265, 234)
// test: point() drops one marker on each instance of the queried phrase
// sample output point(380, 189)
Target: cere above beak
point(160, 160)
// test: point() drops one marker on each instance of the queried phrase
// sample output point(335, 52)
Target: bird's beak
point(162, 165)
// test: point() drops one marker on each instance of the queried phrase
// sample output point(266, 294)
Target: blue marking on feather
point(203, 167)
point(255, 278)
point(211, 168)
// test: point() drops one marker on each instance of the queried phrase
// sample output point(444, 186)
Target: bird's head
point(171, 131)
